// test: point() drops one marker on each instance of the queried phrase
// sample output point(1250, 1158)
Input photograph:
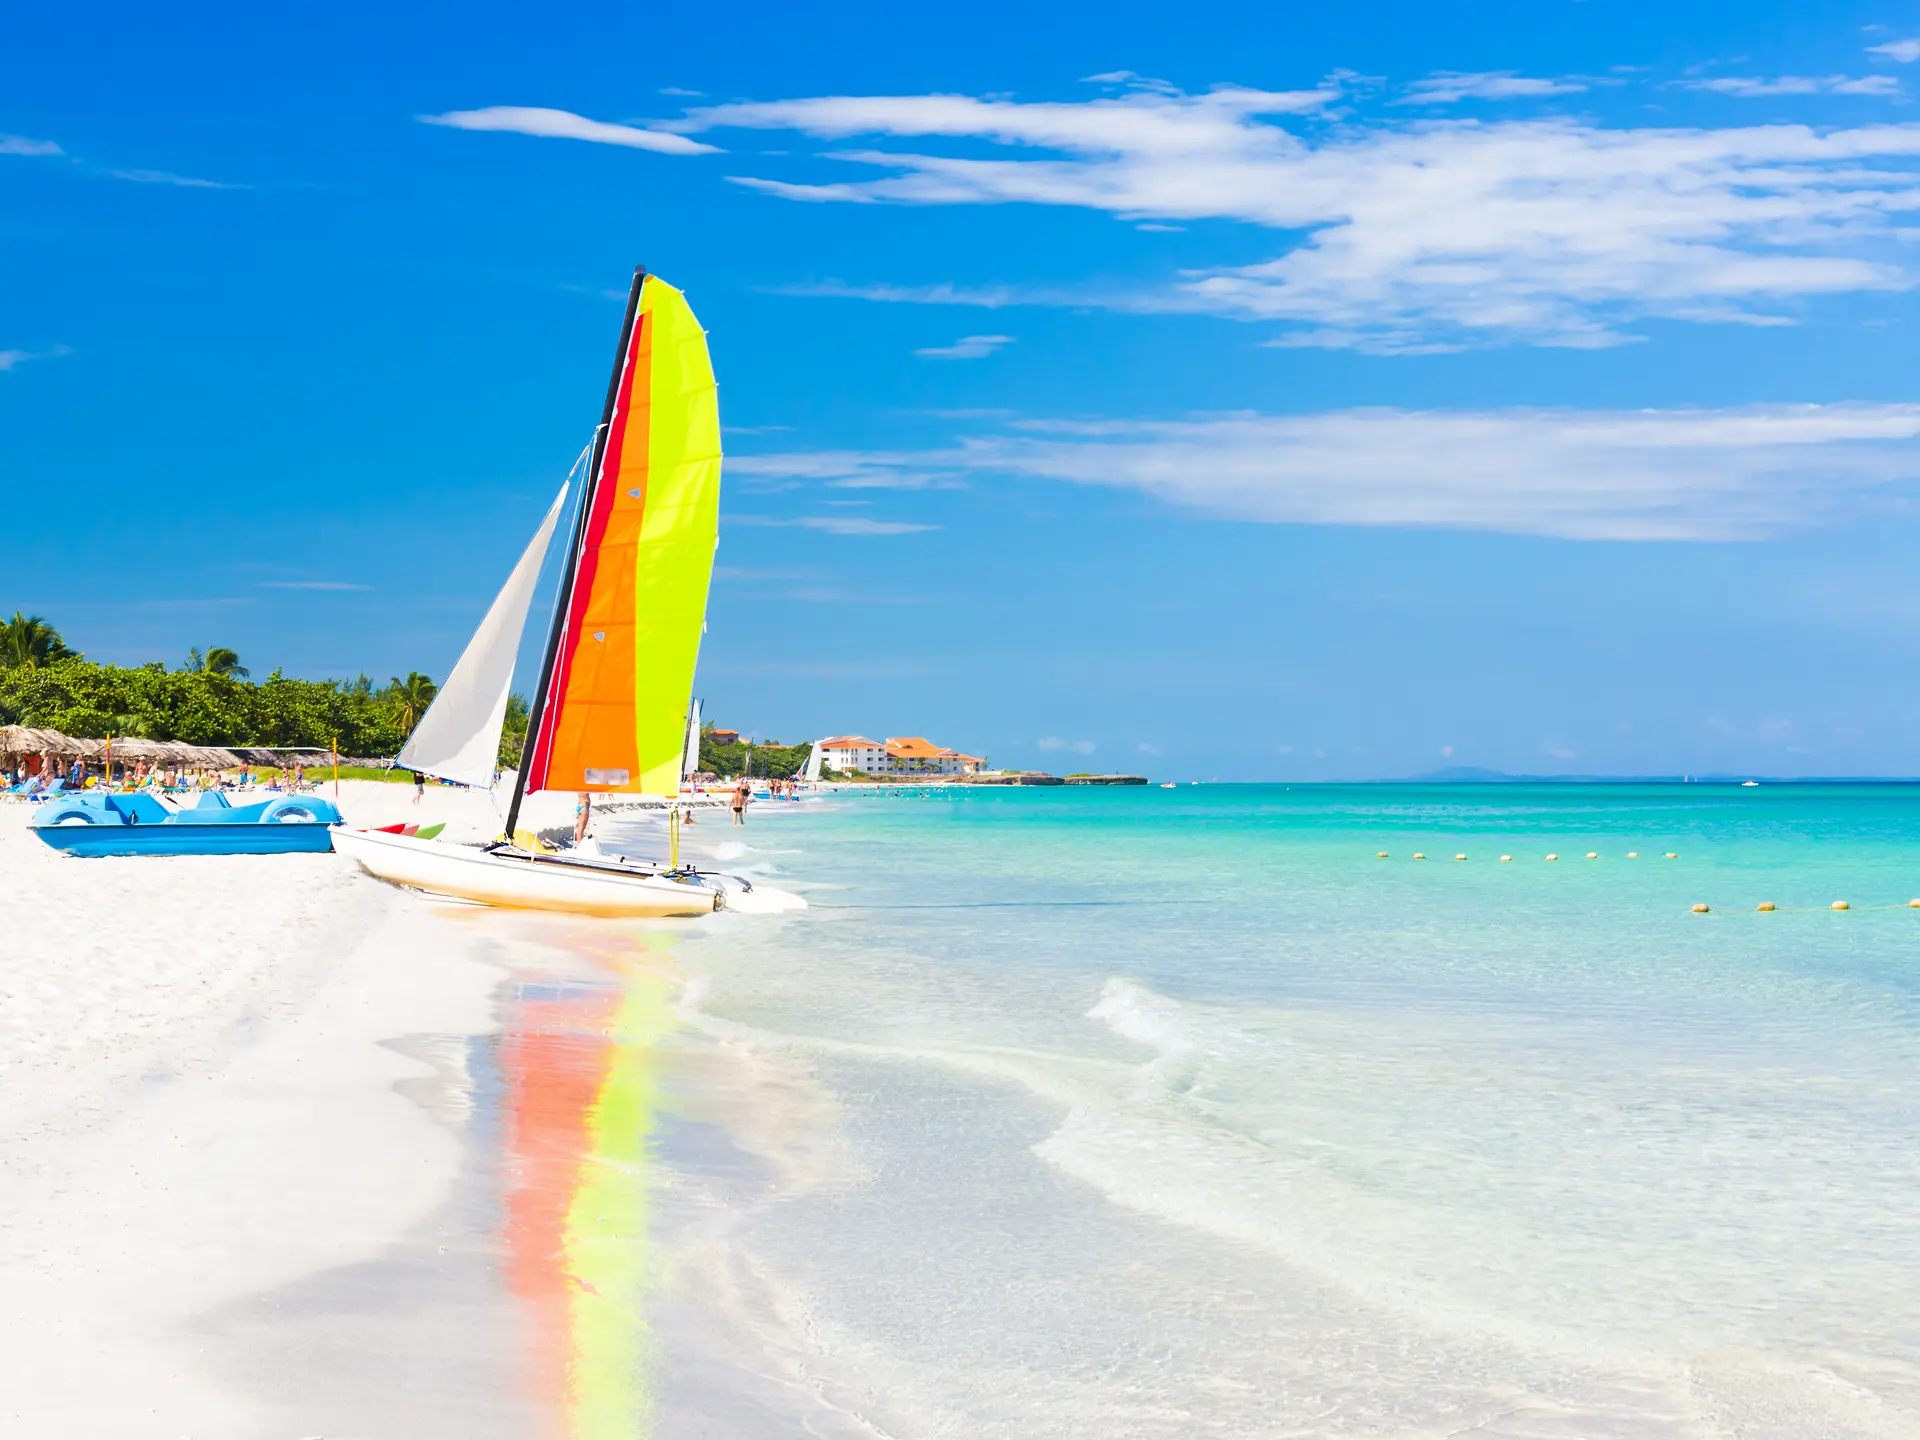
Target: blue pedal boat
point(92, 823)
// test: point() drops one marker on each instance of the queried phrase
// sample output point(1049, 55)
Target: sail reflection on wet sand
point(579, 1075)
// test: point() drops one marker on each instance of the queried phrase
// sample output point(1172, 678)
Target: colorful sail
point(616, 704)
point(459, 736)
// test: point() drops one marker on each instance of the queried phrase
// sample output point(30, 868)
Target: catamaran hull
point(519, 883)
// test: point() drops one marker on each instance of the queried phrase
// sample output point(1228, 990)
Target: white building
point(899, 755)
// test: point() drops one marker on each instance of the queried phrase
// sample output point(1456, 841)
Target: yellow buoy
point(1418, 856)
point(1699, 909)
point(1553, 857)
point(1381, 856)
point(1593, 854)
point(1841, 905)
point(1673, 854)
point(1764, 905)
point(1633, 854)
point(1459, 857)
point(1913, 904)
point(1509, 857)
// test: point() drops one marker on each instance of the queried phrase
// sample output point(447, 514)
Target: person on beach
point(742, 796)
point(582, 816)
point(419, 786)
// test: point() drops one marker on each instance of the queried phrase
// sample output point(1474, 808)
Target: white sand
point(197, 1104)
point(198, 1101)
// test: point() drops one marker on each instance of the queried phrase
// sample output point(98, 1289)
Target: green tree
point(217, 660)
point(409, 699)
point(513, 733)
point(29, 640)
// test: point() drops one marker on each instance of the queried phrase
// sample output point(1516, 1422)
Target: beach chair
point(58, 787)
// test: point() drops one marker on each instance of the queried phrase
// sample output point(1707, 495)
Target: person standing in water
point(742, 793)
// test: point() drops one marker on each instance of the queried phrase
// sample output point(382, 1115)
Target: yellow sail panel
point(624, 676)
point(673, 561)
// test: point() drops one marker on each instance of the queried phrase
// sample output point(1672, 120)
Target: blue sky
point(1278, 393)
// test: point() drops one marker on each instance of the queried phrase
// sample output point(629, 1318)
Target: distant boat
point(815, 757)
point(1169, 784)
point(611, 712)
point(94, 822)
point(1745, 783)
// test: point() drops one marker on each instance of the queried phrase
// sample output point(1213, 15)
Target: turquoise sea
point(1167, 1113)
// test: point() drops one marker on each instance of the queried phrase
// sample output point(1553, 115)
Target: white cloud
point(835, 524)
point(1705, 474)
point(1446, 86)
point(565, 125)
point(1054, 742)
point(12, 359)
point(21, 145)
point(1754, 87)
point(967, 347)
point(990, 298)
point(167, 177)
point(1414, 236)
point(1904, 51)
point(1145, 749)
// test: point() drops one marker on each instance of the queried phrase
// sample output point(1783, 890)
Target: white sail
point(459, 736)
point(813, 764)
point(690, 761)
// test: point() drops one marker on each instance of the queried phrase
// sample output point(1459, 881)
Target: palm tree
point(217, 660)
point(30, 640)
point(410, 698)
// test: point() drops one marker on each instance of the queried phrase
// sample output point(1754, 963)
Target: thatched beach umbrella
point(28, 740)
point(137, 747)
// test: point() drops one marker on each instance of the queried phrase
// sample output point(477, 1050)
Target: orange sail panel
point(616, 712)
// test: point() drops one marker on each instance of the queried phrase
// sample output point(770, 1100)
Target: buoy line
point(1507, 859)
point(1767, 907)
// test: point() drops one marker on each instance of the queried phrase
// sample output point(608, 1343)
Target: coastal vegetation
point(769, 758)
point(209, 700)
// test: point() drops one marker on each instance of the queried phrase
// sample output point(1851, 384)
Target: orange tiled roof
point(841, 742)
point(913, 747)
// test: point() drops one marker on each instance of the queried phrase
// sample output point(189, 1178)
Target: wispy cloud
point(1756, 87)
point(1412, 236)
point(10, 359)
point(835, 524)
point(21, 145)
point(310, 585)
point(1903, 51)
point(565, 125)
point(967, 347)
point(1447, 86)
point(1704, 474)
point(1078, 747)
point(167, 177)
point(987, 297)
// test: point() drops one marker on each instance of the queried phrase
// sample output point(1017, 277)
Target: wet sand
point(284, 1150)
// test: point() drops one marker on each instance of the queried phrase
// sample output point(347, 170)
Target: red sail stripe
point(602, 501)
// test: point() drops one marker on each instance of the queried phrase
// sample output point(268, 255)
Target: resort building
point(898, 755)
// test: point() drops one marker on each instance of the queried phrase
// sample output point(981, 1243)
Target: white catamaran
point(611, 713)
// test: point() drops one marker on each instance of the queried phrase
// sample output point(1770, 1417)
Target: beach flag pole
point(336, 767)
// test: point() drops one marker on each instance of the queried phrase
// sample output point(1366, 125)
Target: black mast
point(563, 602)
